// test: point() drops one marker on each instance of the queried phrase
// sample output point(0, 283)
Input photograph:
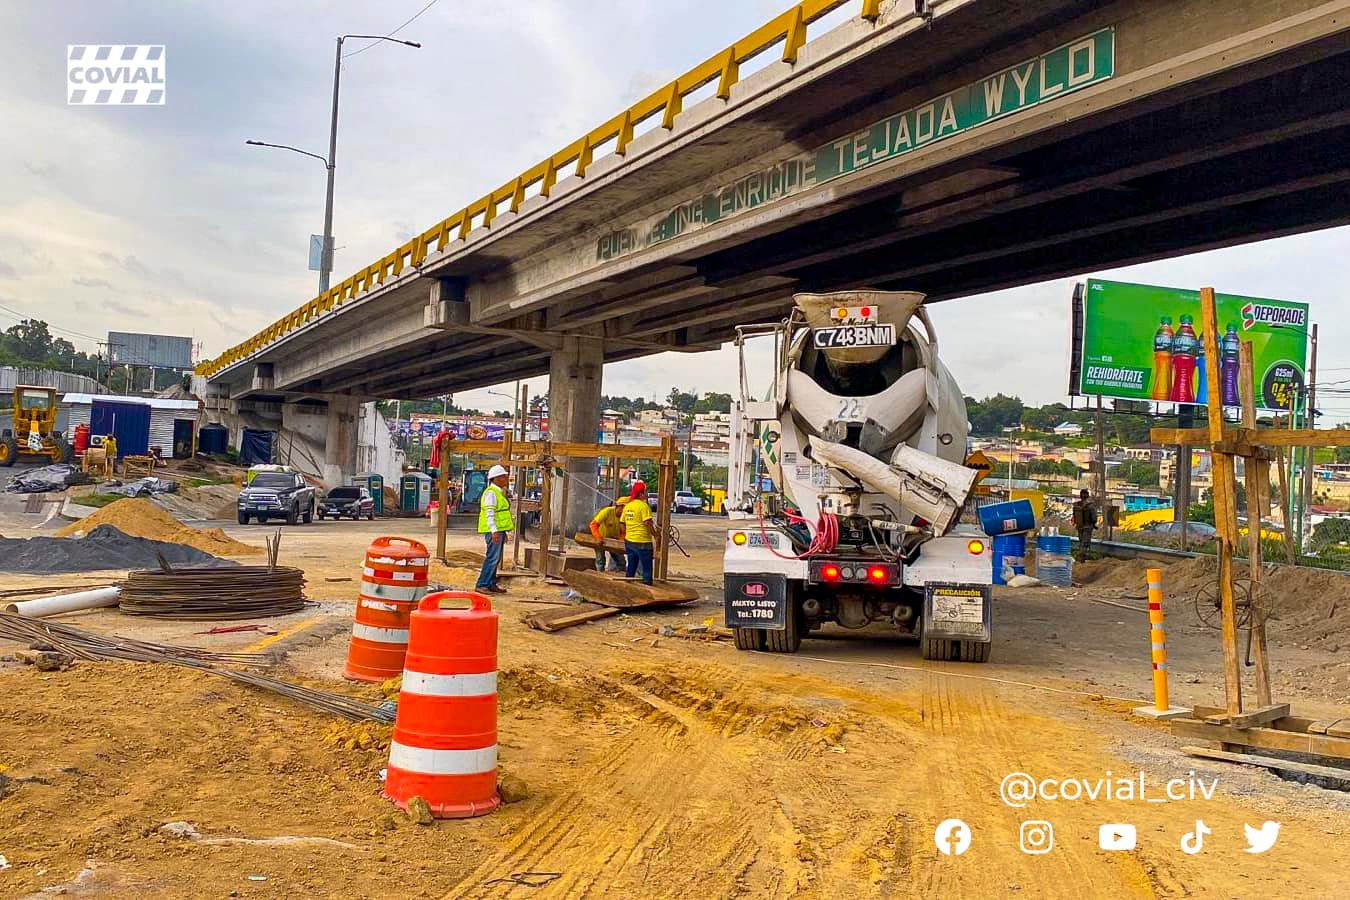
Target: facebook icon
point(952, 837)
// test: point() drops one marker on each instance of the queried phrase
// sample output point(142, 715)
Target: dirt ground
point(660, 766)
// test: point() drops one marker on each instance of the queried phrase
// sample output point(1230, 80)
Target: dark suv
point(342, 502)
point(277, 495)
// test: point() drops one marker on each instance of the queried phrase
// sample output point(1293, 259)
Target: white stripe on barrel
point(430, 685)
point(392, 576)
point(379, 635)
point(442, 762)
point(392, 592)
point(420, 562)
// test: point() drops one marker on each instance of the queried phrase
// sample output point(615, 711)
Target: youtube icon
point(1116, 837)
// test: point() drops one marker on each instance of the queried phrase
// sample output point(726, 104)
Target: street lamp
point(326, 254)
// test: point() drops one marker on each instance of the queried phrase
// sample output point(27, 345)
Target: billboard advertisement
point(1141, 342)
point(131, 348)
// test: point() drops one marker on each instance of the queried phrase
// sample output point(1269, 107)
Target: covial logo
point(952, 837)
point(115, 74)
point(1265, 314)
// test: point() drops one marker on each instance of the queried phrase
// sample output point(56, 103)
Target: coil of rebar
point(236, 592)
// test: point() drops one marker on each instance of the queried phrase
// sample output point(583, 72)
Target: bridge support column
point(339, 450)
point(574, 381)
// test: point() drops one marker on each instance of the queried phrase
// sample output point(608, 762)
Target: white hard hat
point(496, 472)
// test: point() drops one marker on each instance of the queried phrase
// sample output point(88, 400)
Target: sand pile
point(141, 518)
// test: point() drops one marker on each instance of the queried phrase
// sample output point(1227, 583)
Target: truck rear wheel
point(749, 638)
point(789, 640)
point(955, 651)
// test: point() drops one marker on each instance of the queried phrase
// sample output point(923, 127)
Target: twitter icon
point(1259, 840)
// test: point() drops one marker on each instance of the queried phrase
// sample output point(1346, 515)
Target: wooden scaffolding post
point(1256, 469)
point(545, 507)
point(665, 494)
point(443, 490)
point(1225, 505)
point(562, 524)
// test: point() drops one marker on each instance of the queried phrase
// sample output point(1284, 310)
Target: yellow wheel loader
point(33, 436)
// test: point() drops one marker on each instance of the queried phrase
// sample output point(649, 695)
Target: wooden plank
point(443, 490)
point(557, 619)
point(1250, 719)
point(1270, 762)
point(1253, 470)
point(1283, 467)
point(1334, 727)
point(1266, 738)
point(586, 539)
point(1255, 437)
point(1225, 511)
point(623, 593)
point(525, 452)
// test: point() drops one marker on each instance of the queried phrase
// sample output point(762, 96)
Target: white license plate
point(847, 336)
point(762, 540)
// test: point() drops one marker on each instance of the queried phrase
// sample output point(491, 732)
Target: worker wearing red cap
point(637, 532)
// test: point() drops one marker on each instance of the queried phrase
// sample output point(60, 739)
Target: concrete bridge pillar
point(339, 450)
point(574, 381)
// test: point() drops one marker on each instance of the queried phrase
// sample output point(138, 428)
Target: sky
point(160, 219)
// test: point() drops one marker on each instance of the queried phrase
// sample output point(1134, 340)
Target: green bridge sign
point(1061, 71)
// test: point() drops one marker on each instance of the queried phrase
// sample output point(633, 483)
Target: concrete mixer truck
point(846, 482)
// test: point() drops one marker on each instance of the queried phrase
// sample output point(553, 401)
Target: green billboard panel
point(1142, 342)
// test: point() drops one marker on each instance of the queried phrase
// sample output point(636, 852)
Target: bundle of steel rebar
point(88, 645)
point(236, 592)
point(83, 644)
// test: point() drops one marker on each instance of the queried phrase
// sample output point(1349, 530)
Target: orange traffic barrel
point(393, 579)
point(444, 745)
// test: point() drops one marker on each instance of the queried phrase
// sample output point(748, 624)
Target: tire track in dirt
point(682, 777)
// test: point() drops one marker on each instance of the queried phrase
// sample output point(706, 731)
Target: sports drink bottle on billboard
point(1162, 360)
point(1185, 349)
point(1228, 366)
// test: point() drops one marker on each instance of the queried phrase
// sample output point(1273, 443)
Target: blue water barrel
point(1054, 562)
point(1007, 518)
point(1010, 550)
point(1054, 543)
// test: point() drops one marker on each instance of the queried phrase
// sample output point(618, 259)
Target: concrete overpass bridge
point(948, 146)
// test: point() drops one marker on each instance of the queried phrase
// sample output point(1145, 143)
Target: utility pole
point(1309, 459)
point(1101, 468)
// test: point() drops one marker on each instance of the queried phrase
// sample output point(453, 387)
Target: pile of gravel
point(103, 548)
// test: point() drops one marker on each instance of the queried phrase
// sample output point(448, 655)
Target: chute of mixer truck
point(861, 432)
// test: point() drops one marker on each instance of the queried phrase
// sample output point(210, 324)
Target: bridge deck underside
point(1200, 167)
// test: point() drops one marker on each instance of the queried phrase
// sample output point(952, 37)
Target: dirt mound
point(103, 548)
point(143, 519)
point(1310, 606)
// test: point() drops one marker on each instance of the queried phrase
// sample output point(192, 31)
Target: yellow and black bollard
point(1157, 637)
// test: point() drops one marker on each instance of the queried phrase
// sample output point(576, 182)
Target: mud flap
point(959, 612)
point(756, 601)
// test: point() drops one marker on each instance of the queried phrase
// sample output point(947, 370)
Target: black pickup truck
point(277, 495)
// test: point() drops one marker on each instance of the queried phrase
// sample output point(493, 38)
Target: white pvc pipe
point(64, 603)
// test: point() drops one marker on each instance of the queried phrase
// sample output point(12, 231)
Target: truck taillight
point(830, 573)
point(975, 547)
point(739, 539)
point(877, 575)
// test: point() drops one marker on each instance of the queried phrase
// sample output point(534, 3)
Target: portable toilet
point(415, 492)
point(373, 482)
point(475, 482)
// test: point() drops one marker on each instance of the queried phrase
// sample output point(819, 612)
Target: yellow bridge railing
point(789, 28)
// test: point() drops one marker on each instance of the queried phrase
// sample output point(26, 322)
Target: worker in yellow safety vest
point(494, 524)
point(606, 524)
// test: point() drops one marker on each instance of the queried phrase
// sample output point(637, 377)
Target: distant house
point(1068, 429)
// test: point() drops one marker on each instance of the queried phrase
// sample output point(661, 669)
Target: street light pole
point(326, 253)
